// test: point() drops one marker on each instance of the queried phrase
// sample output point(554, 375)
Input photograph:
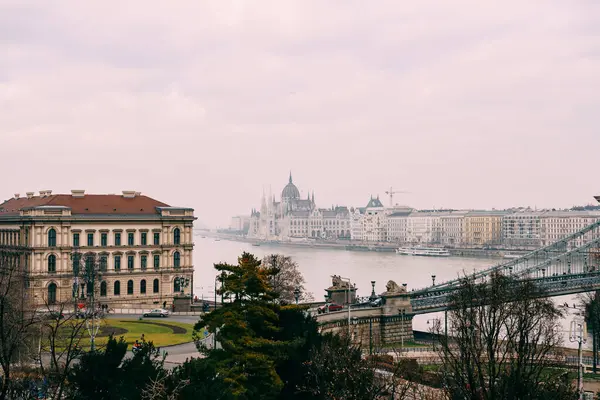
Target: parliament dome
point(290, 191)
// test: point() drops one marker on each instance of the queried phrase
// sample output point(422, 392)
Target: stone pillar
point(396, 323)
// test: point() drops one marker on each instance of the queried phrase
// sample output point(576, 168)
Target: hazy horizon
point(465, 105)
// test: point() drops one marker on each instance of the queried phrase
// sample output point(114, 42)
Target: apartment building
point(483, 228)
point(452, 225)
point(522, 229)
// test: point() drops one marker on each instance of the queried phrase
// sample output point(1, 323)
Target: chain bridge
point(570, 265)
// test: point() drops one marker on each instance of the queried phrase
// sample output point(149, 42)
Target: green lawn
point(159, 331)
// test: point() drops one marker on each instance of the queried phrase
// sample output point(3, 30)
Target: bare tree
point(62, 336)
point(591, 303)
point(64, 329)
point(289, 280)
point(337, 369)
point(504, 342)
point(157, 389)
point(17, 314)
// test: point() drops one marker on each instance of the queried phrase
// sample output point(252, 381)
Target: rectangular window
point(90, 241)
point(144, 238)
point(130, 262)
point(117, 263)
point(76, 240)
point(117, 239)
point(156, 238)
point(130, 238)
point(103, 263)
point(103, 239)
point(156, 261)
point(144, 262)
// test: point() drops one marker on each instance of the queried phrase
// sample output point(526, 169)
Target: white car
point(159, 313)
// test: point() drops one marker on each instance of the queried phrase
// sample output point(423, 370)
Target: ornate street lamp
point(297, 294)
point(433, 279)
point(373, 295)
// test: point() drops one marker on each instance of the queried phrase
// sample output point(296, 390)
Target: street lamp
point(433, 279)
point(402, 314)
point(373, 291)
point(578, 333)
point(347, 280)
point(297, 294)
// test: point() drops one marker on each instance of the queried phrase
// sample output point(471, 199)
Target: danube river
point(317, 266)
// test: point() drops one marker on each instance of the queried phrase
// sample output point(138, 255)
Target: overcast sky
point(203, 103)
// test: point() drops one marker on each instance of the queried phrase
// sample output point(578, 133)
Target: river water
point(317, 266)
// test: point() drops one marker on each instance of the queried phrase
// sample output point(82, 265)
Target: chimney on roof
point(78, 193)
point(42, 193)
point(17, 195)
point(30, 194)
point(129, 194)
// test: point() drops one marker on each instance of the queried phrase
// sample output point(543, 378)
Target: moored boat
point(423, 252)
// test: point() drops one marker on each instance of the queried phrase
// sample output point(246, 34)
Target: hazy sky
point(202, 103)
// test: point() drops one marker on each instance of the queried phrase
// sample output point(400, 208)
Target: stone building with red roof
point(124, 251)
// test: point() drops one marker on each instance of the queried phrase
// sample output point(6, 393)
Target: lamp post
point(433, 279)
point(347, 300)
point(402, 314)
point(373, 296)
point(223, 275)
point(216, 278)
point(578, 333)
point(297, 294)
point(434, 327)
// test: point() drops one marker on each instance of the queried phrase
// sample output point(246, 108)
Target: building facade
point(453, 228)
point(522, 229)
point(483, 228)
point(140, 248)
point(555, 225)
point(424, 227)
point(294, 218)
point(374, 221)
point(397, 222)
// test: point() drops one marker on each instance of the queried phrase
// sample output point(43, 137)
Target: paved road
point(177, 354)
point(188, 319)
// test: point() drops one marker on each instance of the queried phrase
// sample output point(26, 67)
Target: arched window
point(143, 286)
point(52, 263)
point(176, 259)
point(52, 238)
point(130, 287)
point(52, 293)
point(103, 288)
point(176, 286)
point(117, 288)
point(176, 236)
point(155, 286)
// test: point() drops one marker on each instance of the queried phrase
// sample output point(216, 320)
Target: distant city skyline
point(204, 103)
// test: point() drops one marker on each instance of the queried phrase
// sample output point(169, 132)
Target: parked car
point(55, 315)
point(329, 307)
point(159, 313)
point(378, 302)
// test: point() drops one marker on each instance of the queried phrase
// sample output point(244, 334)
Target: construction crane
point(392, 192)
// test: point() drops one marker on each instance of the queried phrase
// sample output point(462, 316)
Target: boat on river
point(423, 252)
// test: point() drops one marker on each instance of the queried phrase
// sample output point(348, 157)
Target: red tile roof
point(88, 204)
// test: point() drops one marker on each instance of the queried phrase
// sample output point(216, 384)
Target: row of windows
point(117, 262)
point(117, 287)
point(117, 238)
point(52, 288)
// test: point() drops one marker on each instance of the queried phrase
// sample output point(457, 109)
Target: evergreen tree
point(256, 348)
